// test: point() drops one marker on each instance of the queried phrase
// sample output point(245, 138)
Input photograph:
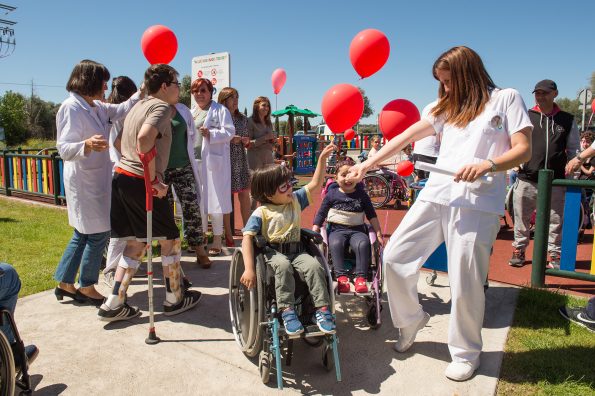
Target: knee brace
point(175, 274)
point(129, 262)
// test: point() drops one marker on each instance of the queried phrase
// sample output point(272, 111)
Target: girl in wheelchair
point(278, 219)
point(343, 208)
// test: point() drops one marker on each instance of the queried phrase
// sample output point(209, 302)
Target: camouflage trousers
point(183, 182)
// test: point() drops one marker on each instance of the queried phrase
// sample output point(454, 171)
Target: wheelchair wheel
point(7, 370)
point(246, 307)
point(264, 366)
point(378, 189)
point(327, 357)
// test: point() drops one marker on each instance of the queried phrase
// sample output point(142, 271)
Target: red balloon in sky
point(405, 168)
point(593, 106)
point(396, 116)
point(342, 106)
point(368, 52)
point(349, 134)
point(159, 44)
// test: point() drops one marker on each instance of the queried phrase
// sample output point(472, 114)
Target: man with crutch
point(146, 141)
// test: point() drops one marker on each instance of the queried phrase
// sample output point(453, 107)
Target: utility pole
point(7, 40)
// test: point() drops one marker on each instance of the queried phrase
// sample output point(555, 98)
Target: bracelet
point(493, 167)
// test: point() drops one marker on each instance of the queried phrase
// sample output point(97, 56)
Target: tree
point(185, 90)
point(13, 117)
point(571, 106)
point(368, 110)
point(41, 122)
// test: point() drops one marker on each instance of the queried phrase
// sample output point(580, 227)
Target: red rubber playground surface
point(500, 271)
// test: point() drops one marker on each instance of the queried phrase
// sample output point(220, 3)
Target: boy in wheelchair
point(278, 219)
point(343, 208)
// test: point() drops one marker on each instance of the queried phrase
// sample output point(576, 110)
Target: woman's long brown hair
point(470, 86)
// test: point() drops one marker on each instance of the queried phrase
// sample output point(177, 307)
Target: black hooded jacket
point(558, 127)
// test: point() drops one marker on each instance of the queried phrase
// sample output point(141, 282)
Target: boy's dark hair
point(122, 89)
point(347, 161)
point(87, 78)
point(588, 136)
point(265, 181)
point(158, 74)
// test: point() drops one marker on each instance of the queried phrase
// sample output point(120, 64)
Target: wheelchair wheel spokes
point(7, 370)
point(243, 308)
point(378, 189)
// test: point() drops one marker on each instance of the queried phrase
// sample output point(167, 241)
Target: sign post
point(584, 97)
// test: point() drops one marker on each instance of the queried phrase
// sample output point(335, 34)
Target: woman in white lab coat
point(83, 126)
point(483, 129)
point(214, 123)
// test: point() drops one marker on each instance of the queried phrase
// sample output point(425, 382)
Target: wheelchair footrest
point(310, 331)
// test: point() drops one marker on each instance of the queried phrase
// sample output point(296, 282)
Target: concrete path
point(199, 356)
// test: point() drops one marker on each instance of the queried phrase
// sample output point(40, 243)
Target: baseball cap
point(546, 85)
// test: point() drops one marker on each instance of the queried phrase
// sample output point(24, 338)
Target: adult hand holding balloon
point(368, 52)
point(278, 79)
point(159, 44)
point(342, 106)
point(396, 116)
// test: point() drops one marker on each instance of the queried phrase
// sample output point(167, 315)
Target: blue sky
point(520, 42)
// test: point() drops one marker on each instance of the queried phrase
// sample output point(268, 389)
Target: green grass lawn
point(545, 354)
point(32, 144)
point(33, 238)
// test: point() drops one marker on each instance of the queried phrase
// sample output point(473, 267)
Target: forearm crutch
point(145, 159)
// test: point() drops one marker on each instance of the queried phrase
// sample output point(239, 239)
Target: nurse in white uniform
point(484, 129)
point(83, 123)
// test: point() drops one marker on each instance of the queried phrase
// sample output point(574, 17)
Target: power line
point(37, 85)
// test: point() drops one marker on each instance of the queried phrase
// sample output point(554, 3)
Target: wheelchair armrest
point(260, 241)
point(314, 236)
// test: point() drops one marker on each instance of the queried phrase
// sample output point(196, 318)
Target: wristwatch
point(493, 167)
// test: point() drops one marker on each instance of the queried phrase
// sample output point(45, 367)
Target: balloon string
point(276, 102)
point(590, 118)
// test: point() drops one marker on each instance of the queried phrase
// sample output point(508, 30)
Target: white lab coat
point(215, 172)
point(87, 178)
point(192, 136)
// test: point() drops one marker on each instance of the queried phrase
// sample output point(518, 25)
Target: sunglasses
point(175, 83)
point(284, 187)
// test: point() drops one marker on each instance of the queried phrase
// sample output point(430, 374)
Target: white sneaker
point(461, 371)
point(407, 334)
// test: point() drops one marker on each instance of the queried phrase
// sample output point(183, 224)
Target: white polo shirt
point(486, 137)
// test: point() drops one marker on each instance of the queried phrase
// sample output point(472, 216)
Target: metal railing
point(569, 233)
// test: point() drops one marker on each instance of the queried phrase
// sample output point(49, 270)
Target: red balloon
point(278, 79)
point(396, 116)
point(405, 168)
point(159, 44)
point(349, 134)
point(593, 106)
point(368, 52)
point(342, 106)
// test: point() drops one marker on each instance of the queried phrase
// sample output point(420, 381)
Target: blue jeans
point(10, 285)
point(84, 251)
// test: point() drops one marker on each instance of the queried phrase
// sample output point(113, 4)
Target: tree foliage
point(185, 90)
point(368, 110)
point(13, 117)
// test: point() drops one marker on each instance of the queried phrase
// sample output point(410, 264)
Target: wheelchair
point(256, 321)
point(374, 277)
point(9, 376)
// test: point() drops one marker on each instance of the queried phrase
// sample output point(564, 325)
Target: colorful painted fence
point(570, 228)
point(32, 172)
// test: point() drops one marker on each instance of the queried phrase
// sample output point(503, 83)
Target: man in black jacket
point(555, 140)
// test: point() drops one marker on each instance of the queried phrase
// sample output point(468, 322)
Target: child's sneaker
point(291, 322)
point(325, 321)
point(343, 284)
point(360, 285)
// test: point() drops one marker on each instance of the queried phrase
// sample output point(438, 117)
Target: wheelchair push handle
point(433, 168)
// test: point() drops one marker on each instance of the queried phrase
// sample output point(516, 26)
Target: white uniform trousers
point(469, 235)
